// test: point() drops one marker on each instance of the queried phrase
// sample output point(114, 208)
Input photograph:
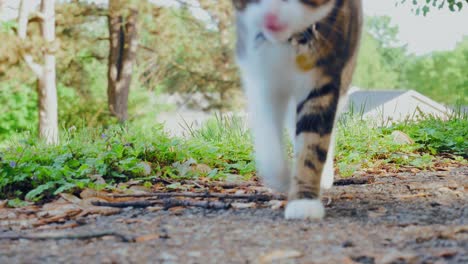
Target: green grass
point(34, 171)
point(361, 145)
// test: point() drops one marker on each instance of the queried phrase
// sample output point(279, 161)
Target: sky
point(439, 30)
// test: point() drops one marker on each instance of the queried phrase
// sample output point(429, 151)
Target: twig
point(39, 237)
point(248, 197)
point(167, 203)
point(354, 181)
point(226, 185)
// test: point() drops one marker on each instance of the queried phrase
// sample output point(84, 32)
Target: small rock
point(401, 138)
point(348, 244)
point(146, 166)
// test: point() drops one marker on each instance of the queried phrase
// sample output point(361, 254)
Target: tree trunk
point(122, 55)
point(46, 86)
point(2, 6)
point(48, 105)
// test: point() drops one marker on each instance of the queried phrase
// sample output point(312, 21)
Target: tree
point(381, 58)
point(46, 76)
point(424, 6)
point(123, 40)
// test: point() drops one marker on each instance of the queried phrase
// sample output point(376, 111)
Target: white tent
point(390, 106)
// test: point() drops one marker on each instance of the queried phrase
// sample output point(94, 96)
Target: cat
point(296, 59)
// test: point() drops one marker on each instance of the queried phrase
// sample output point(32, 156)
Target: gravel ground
point(402, 218)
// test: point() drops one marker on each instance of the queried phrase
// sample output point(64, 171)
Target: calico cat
point(296, 59)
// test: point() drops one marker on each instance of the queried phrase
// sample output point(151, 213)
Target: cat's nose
point(273, 23)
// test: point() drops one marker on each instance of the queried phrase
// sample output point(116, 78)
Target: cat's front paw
point(304, 209)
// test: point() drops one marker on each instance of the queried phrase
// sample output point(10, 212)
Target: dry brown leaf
point(138, 189)
point(395, 256)
point(145, 238)
point(237, 192)
point(59, 227)
point(346, 196)
point(177, 210)
point(70, 198)
point(88, 193)
point(100, 210)
point(261, 189)
point(131, 221)
point(154, 208)
point(59, 207)
point(3, 203)
point(243, 205)
point(279, 255)
point(409, 196)
point(377, 212)
point(276, 204)
point(58, 218)
point(445, 253)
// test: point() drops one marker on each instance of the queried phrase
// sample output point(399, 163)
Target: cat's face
point(280, 19)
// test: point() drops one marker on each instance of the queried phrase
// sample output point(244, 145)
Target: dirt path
point(402, 218)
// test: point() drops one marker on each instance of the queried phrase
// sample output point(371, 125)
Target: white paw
point(304, 209)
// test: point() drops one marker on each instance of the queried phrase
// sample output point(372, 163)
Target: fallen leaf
point(58, 218)
point(88, 193)
point(347, 196)
point(137, 189)
point(146, 238)
point(280, 255)
point(377, 212)
point(154, 208)
point(395, 256)
point(276, 204)
point(131, 221)
point(243, 205)
point(177, 210)
point(58, 227)
point(409, 196)
point(445, 253)
point(70, 198)
point(99, 210)
point(3, 203)
point(237, 192)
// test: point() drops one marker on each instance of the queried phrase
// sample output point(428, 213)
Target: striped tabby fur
point(296, 58)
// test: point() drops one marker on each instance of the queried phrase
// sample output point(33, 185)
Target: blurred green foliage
point(180, 53)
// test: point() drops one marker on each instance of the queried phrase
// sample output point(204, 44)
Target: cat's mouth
point(276, 28)
point(273, 24)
